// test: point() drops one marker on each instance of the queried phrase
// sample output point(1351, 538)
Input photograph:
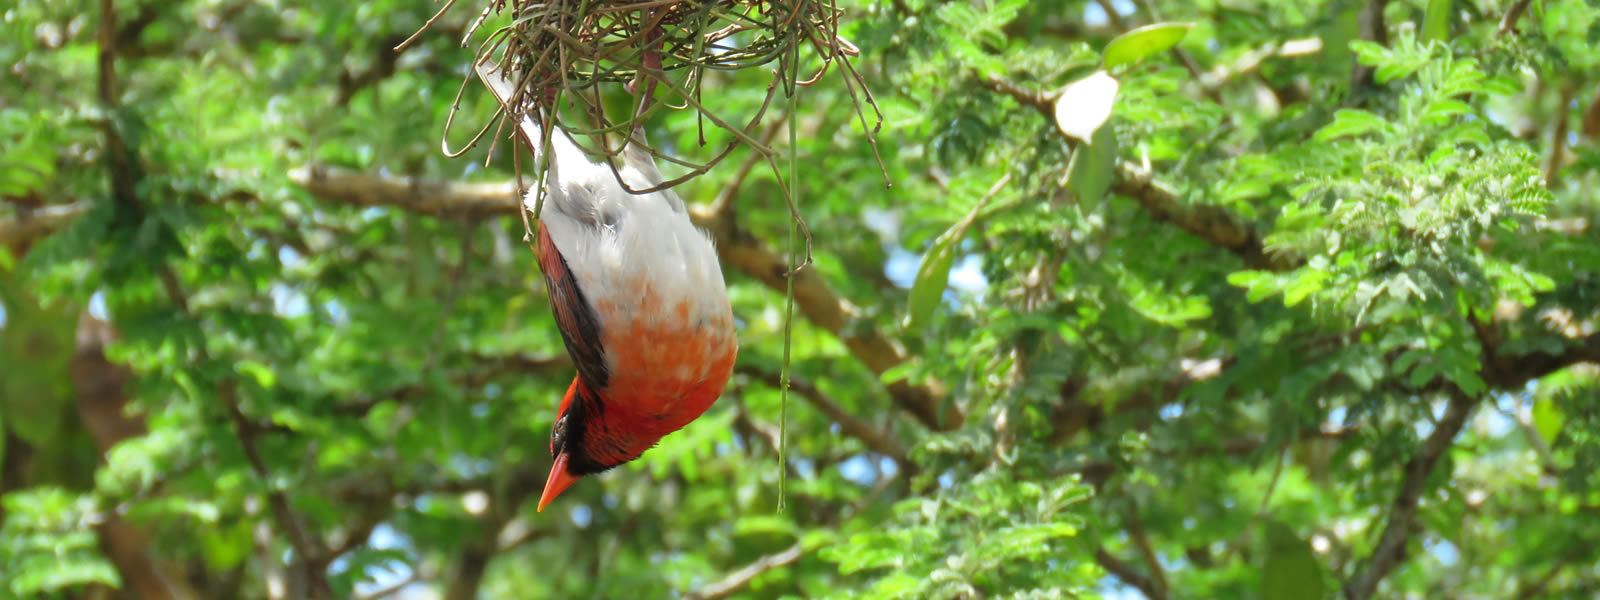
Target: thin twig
point(425, 26)
point(1508, 23)
point(1535, 588)
point(742, 577)
point(1558, 138)
point(724, 200)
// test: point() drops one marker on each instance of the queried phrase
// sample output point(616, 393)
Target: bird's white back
point(615, 241)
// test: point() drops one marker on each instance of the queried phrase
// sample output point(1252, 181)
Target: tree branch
point(467, 575)
point(875, 439)
point(100, 390)
point(1534, 588)
point(1128, 575)
point(1248, 62)
point(429, 197)
point(1208, 222)
point(1391, 549)
point(1213, 224)
point(1158, 579)
point(742, 577)
point(1508, 23)
point(1076, 412)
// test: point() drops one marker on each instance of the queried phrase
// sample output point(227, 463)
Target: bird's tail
point(569, 162)
point(565, 150)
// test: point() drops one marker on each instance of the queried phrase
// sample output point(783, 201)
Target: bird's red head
point(587, 439)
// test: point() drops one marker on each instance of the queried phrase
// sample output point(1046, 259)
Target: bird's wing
point(575, 315)
point(567, 191)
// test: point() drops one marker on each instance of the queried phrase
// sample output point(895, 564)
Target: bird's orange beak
point(557, 482)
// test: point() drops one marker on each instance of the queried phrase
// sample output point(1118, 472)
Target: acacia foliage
point(1311, 312)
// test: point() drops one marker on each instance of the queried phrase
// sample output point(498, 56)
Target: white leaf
point(1085, 104)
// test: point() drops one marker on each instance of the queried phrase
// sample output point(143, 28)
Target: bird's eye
point(558, 436)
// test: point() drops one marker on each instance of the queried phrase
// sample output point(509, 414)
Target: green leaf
point(1436, 22)
point(1350, 122)
point(1548, 418)
point(1083, 106)
point(1408, 359)
point(262, 374)
point(1423, 374)
point(1291, 570)
point(1304, 286)
point(1144, 42)
point(1447, 109)
point(898, 372)
point(933, 275)
point(1093, 167)
point(1246, 279)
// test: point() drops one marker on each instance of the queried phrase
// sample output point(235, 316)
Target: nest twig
point(556, 50)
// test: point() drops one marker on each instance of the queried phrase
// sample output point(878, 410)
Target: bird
point(640, 301)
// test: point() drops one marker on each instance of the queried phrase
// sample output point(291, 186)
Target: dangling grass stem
point(788, 313)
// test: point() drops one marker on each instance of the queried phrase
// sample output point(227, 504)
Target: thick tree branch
point(1504, 371)
point(467, 574)
point(1141, 540)
point(38, 223)
point(742, 577)
point(1077, 412)
point(829, 311)
point(1249, 62)
point(429, 197)
point(1128, 575)
point(100, 388)
point(1391, 549)
point(1211, 223)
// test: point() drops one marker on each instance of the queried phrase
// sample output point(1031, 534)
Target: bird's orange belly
point(668, 360)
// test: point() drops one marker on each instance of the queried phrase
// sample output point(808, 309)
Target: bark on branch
point(1391, 549)
point(100, 388)
point(40, 222)
point(1128, 575)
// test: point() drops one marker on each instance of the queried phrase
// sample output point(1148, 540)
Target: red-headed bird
point(641, 304)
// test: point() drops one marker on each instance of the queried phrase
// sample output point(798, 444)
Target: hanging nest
point(568, 51)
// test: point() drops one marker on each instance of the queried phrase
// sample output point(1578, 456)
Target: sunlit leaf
point(1548, 418)
point(1290, 569)
point(1144, 42)
point(1083, 106)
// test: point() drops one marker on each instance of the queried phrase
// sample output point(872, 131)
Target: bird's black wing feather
point(575, 317)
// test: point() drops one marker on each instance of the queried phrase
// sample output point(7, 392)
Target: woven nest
point(570, 51)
